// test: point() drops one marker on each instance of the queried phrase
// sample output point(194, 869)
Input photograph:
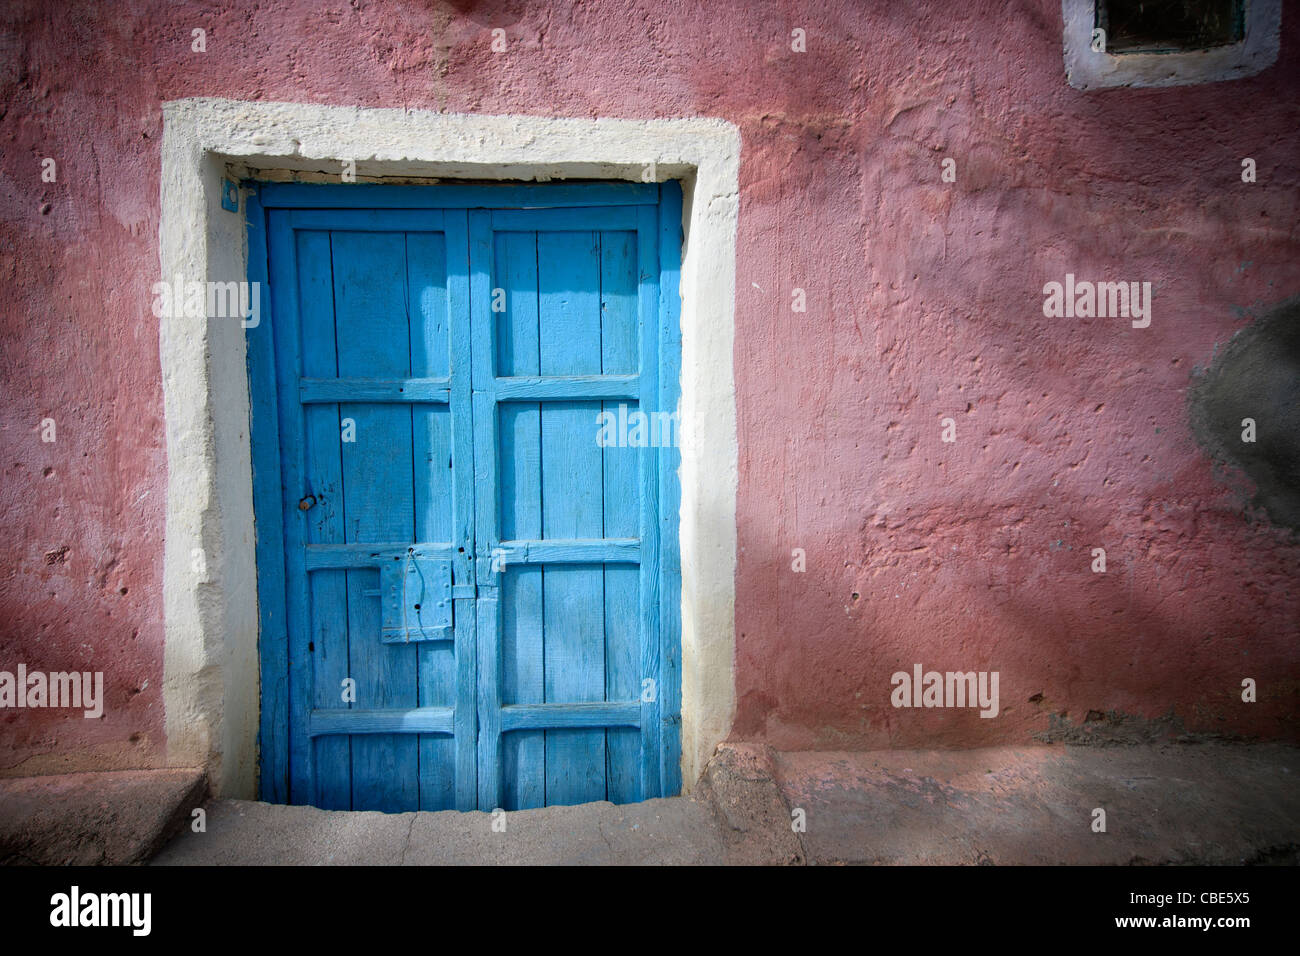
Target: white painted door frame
point(210, 667)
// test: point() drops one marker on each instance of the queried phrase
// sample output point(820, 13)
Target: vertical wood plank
point(620, 349)
point(648, 516)
point(523, 753)
point(465, 720)
point(568, 268)
point(489, 713)
point(264, 446)
point(669, 506)
point(426, 284)
point(288, 366)
point(486, 528)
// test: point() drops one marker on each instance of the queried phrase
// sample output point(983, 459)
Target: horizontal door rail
point(333, 390)
point(622, 218)
point(557, 716)
point(415, 720)
point(516, 196)
point(570, 551)
point(568, 387)
point(367, 220)
point(333, 557)
point(440, 720)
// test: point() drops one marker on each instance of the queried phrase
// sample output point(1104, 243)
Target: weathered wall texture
point(924, 302)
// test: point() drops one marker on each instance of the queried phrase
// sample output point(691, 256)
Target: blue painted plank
point(520, 196)
point(264, 442)
point(573, 550)
point(434, 492)
point(514, 263)
point(373, 334)
point(542, 388)
point(620, 351)
point(593, 219)
point(421, 720)
point(523, 754)
point(288, 369)
point(462, 437)
point(335, 390)
point(669, 507)
point(323, 478)
point(429, 221)
point(617, 714)
point(649, 618)
point(486, 533)
point(568, 268)
point(489, 696)
point(324, 557)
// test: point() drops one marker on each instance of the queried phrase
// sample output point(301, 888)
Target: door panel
point(569, 629)
point(470, 582)
point(371, 317)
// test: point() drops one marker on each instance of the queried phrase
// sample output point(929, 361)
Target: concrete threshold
point(1176, 804)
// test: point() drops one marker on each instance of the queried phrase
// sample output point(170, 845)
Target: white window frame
point(1086, 69)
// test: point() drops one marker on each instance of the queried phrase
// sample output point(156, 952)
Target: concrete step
point(1179, 804)
point(88, 819)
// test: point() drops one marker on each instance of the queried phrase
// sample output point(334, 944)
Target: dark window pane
point(1169, 25)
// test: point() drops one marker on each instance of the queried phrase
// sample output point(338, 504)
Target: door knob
point(306, 503)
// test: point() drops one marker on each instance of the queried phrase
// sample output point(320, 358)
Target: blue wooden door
point(467, 551)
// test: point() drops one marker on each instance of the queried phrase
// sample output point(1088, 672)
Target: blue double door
point(468, 578)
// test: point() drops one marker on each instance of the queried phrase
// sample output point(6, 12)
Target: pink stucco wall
point(923, 302)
